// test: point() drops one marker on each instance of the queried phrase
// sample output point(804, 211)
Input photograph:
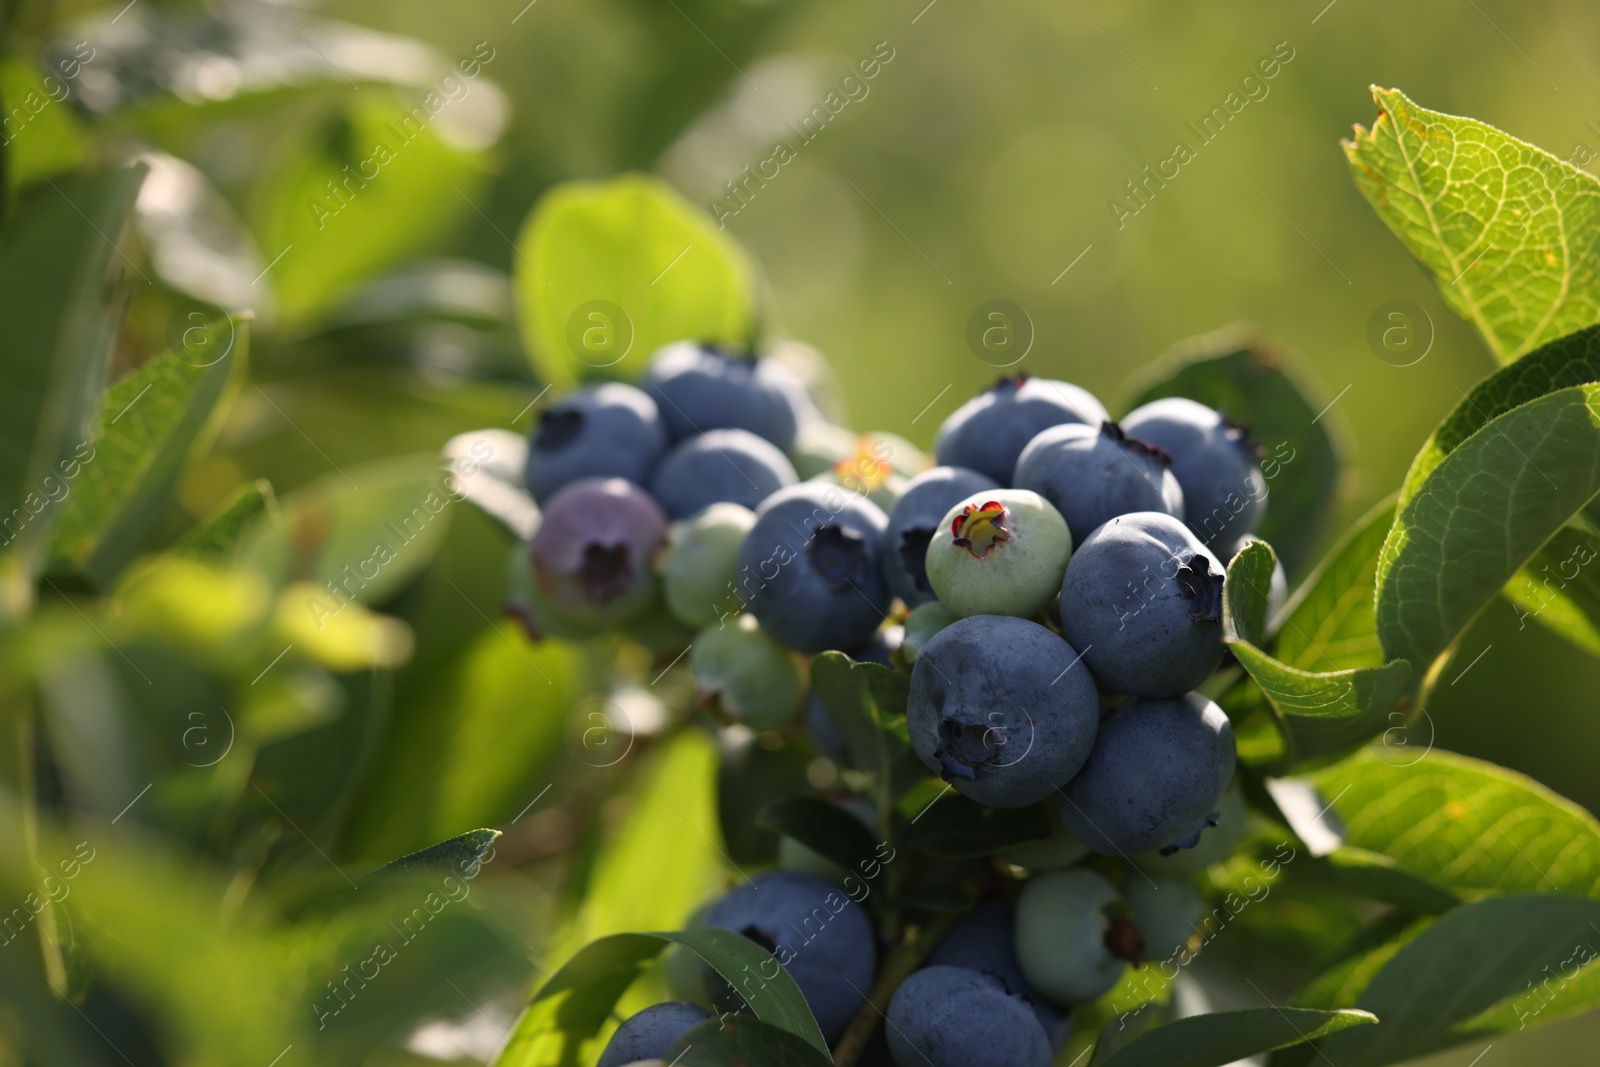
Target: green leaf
point(1318, 711)
point(50, 139)
point(822, 827)
point(1240, 373)
point(740, 1042)
point(1507, 229)
point(1560, 590)
point(569, 1009)
point(867, 703)
point(361, 532)
point(217, 537)
point(1330, 623)
point(1571, 360)
point(1464, 824)
point(60, 297)
point(1464, 964)
point(1374, 876)
point(486, 467)
point(607, 272)
point(1480, 515)
point(959, 828)
point(461, 854)
point(150, 425)
point(369, 189)
point(1224, 1037)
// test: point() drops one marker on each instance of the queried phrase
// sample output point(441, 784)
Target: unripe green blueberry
point(700, 561)
point(1000, 552)
point(753, 678)
point(922, 624)
point(1165, 910)
point(1073, 936)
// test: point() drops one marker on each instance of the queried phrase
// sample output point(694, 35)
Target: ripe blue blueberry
point(916, 517)
point(1001, 709)
point(984, 939)
point(1000, 552)
point(989, 432)
point(751, 678)
point(592, 551)
point(1156, 775)
point(647, 1035)
point(1214, 461)
point(1143, 598)
point(1093, 474)
point(599, 431)
point(1074, 937)
point(1165, 910)
point(719, 466)
point(700, 388)
point(822, 937)
point(809, 569)
point(958, 1017)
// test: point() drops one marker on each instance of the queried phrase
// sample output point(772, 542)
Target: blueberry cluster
point(1053, 584)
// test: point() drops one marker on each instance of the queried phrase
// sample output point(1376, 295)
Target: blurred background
point(989, 157)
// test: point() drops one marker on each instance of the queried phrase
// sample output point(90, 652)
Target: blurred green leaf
point(739, 1042)
point(376, 185)
point(473, 741)
point(1464, 964)
point(607, 272)
point(44, 136)
point(462, 854)
point(217, 537)
point(1319, 712)
point(1240, 373)
point(569, 1009)
point(1330, 623)
point(486, 468)
point(1464, 824)
point(149, 426)
point(1374, 876)
point(1480, 515)
point(824, 828)
point(60, 298)
point(956, 827)
point(1224, 1037)
point(1565, 603)
point(1506, 228)
point(360, 533)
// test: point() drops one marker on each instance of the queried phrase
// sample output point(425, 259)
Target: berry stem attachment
point(906, 958)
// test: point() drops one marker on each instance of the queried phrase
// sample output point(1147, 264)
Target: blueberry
point(599, 431)
point(984, 939)
point(1092, 475)
point(1215, 845)
point(924, 621)
point(1157, 773)
point(699, 388)
point(753, 680)
point(591, 554)
point(700, 562)
point(1165, 910)
point(526, 603)
point(1074, 938)
point(822, 448)
point(999, 552)
point(647, 1034)
point(822, 937)
point(731, 466)
point(997, 708)
point(916, 517)
point(1214, 461)
point(989, 432)
point(1143, 598)
point(809, 569)
point(958, 1017)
